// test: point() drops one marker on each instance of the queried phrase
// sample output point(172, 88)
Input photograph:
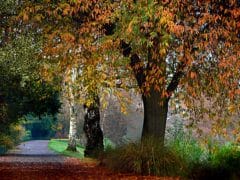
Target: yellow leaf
point(231, 108)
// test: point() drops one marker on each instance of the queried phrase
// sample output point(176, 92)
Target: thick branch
point(138, 72)
point(135, 60)
point(176, 78)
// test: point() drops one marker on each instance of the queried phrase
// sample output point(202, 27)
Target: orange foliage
point(190, 45)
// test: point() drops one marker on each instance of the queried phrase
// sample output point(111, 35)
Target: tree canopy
point(185, 49)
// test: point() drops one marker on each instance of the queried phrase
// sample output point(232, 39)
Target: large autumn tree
point(189, 46)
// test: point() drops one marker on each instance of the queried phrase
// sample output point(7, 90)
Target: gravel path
point(33, 161)
point(35, 147)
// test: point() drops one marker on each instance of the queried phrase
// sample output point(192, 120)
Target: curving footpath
point(33, 160)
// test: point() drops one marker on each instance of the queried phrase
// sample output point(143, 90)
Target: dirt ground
point(31, 168)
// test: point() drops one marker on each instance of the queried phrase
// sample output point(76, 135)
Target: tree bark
point(93, 130)
point(72, 144)
point(155, 106)
point(155, 115)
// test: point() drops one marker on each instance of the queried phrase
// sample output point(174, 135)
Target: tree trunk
point(72, 144)
point(155, 115)
point(155, 106)
point(93, 130)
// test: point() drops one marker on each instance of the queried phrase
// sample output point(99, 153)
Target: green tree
point(22, 89)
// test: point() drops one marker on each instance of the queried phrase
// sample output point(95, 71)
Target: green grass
point(60, 146)
point(108, 143)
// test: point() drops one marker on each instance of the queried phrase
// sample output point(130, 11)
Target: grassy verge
point(60, 146)
point(182, 157)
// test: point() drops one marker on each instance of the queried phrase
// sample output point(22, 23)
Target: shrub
point(227, 156)
point(188, 149)
point(6, 142)
point(16, 132)
point(147, 157)
point(11, 137)
point(227, 159)
point(186, 146)
point(223, 163)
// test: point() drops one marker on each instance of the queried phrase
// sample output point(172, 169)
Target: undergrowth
point(147, 157)
point(182, 155)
